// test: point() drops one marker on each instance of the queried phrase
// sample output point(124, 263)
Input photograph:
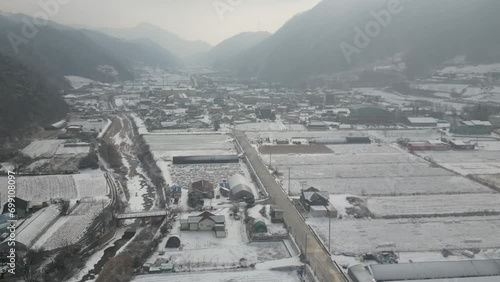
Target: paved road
point(318, 257)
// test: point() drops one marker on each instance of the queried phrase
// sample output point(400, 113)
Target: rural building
point(215, 159)
point(467, 270)
point(176, 191)
point(317, 125)
point(323, 211)
point(276, 214)
point(419, 146)
point(206, 221)
point(240, 188)
point(422, 122)
point(23, 208)
point(203, 188)
point(358, 140)
point(462, 145)
point(368, 114)
point(472, 127)
point(58, 125)
point(259, 226)
point(314, 197)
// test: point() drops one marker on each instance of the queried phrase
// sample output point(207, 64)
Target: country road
point(315, 254)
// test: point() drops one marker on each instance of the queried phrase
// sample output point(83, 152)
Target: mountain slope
point(428, 33)
point(233, 46)
point(28, 98)
point(173, 43)
point(58, 50)
point(135, 52)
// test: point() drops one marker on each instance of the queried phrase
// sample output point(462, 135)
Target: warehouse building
point(422, 122)
point(472, 127)
point(240, 188)
point(205, 159)
point(458, 271)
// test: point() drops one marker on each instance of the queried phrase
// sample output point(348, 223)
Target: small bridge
point(141, 215)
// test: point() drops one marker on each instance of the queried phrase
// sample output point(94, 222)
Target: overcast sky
point(192, 19)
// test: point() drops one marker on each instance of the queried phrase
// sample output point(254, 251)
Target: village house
point(206, 221)
point(314, 197)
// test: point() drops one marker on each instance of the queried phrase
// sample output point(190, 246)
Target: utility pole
point(329, 229)
point(289, 194)
point(305, 251)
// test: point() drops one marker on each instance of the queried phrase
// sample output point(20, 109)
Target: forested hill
point(27, 98)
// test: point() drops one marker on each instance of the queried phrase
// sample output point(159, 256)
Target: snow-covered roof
point(422, 120)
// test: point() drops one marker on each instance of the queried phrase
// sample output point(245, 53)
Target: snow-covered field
point(72, 228)
point(433, 205)
point(191, 144)
point(78, 82)
point(405, 100)
point(305, 134)
point(35, 225)
point(468, 162)
point(90, 125)
point(266, 126)
point(42, 148)
point(62, 150)
point(90, 185)
point(391, 186)
point(447, 88)
point(413, 135)
point(305, 172)
point(470, 69)
point(45, 187)
point(184, 175)
point(225, 276)
point(407, 235)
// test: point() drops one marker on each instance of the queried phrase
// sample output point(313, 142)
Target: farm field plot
point(241, 276)
point(363, 149)
point(262, 126)
point(473, 168)
point(90, 125)
point(391, 186)
point(405, 206)
point(90, 185)
point(412, 134)
point(189, 142)
point(409, 235)
point(335, 159)
point(305, 172)
point(184, 175)
point(42, 188)
point(490, 179)
point(301, 134)
point(45, 187)
point(74, 226)
point(42, 148)
point(468, 157)
point(35, 225)
point(62, 150)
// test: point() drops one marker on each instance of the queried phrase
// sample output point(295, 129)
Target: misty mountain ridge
point(231, 47)
point(58, 50)
point(177, 45)
point(427, 32)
